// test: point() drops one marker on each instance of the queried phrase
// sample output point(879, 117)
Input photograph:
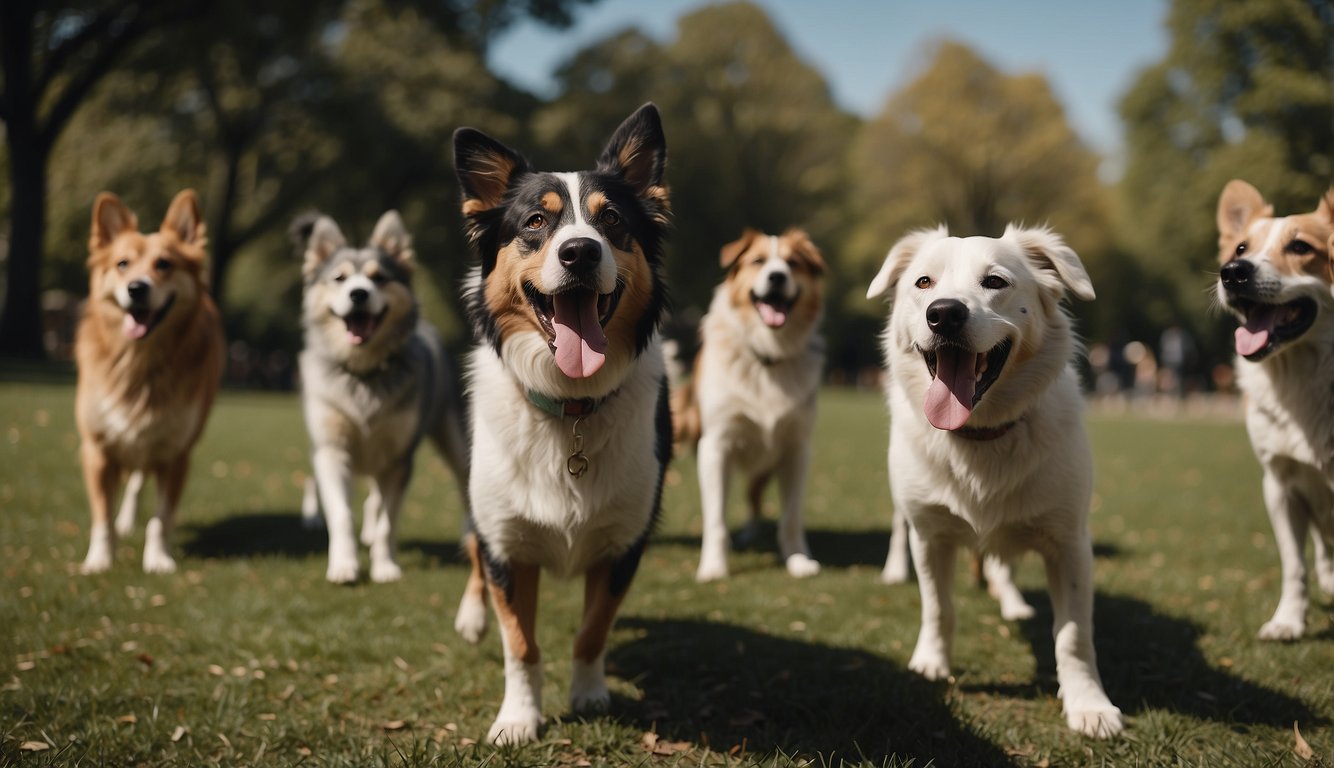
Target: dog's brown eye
point(610, 217)
point(123, 264)
point(536, 221)
point(340, 277)
point(1241, 248)
point(923, 282)
point(994, 282)
point(1299, 247)
point(162, 265)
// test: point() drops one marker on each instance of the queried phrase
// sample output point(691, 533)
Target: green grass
point(247, 656)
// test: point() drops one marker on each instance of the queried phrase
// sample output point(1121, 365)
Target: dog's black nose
point(777, 278)
point(580, 255)
point(138, 290)
point(1236, 274)
point(946, 316)
point(358, 295)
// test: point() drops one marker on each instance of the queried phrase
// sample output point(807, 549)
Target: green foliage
point(258, 661)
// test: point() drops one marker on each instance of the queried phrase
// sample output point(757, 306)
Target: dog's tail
point(685, 409)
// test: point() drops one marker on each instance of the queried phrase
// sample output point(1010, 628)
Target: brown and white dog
point(751, 403)
point(570, 422)
point(150, 352)
point(987, 445)
point(1277, 278)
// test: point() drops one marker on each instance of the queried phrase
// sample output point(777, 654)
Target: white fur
point(1028, 489)
point(555, 277)
point(757, 419)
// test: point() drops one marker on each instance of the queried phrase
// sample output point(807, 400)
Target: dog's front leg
point(470, 621)
point(1070, 583)
point(390, 487)
point(100, 476)
point(333, 474)
point(711, 458)
point(896, 562)
point(1324, 562)
point(1290, 522)
point(792, 544)
point(514, 594)
point(170, 484)
point(935, 581)
point(129, 504)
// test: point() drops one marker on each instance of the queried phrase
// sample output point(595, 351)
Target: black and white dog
point(570, 421)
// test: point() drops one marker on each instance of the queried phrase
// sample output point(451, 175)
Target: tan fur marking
point(632, 269)
point(518, 617)
point(476, 586)
point(552, 203)
point(504, 291)
point(594, 204)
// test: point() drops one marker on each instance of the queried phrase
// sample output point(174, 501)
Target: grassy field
point(247, 656)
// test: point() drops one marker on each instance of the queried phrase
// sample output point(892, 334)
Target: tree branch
point(93, 31)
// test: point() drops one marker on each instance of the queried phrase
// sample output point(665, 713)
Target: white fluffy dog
point(987, 447)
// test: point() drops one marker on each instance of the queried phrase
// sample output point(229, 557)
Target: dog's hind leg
point(170, 484)
point(470, 621)
point(999, 575)
point(792, 527)
point(333, 476)
point(1290, 521)
point(370, 514)
point(711, 460)
point(1324, 562)
point(390, 486)
point(100, 475)
point(1070, 582)
point(749, 535)
point(129, 504)
point(896, 563)
point(311, 519)
point(514, 595)
point(588, 683)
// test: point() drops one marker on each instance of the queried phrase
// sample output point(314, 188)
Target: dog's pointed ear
point(637, 152)
point(325, 239)
point(183, 219)
point(392, 237)
point(486, 170)
point(728, 254)
point(805, 249)
point(1325, 208)
point(1059, 267)
point(1239, 203)
point(110, 218)
point(899, 256)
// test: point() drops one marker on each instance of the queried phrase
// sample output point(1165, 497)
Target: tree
point(52, 56)
point(1244, 91)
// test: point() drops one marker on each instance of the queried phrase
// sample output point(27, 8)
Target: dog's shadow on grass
point(724, 686)
point(1150, 660)
point(833, 549)
point(268, 533)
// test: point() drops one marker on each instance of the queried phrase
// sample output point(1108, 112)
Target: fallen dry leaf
point(267, 716)
point(1300, 747)
point(216, 671)
point(35, 746)
point(131, 719)
point(394, 725)
point(145, 659)
point(287, 693)
point(467, 742)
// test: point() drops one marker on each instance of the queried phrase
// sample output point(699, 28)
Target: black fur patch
point(624, 568)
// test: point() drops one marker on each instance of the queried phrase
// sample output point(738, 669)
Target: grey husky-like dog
point(375, 380)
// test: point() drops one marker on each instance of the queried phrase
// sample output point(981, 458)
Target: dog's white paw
point(801, 566)
point(97, 561)
point(1282, 630)
point(1014, 608)
point(894, 573)
point(1099, 723)
point(588, 687)
point(385, 571)
point(125, 522)
point(1324, 576)
point(930, 665)
point(470, 621)
point(158, 561)
point(711, 570)
point(313, 521)
point(341, 571)
point(515, 728)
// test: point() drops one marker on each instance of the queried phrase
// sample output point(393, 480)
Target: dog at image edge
point(987, 444)
point(570, 422)
point(149, 350)
point(375, 381)
point(1277, 278)
point(751, 403)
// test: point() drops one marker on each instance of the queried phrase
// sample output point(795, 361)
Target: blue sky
point(1090, 52)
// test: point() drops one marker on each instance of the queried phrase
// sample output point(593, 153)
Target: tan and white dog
point(751, 403)
point(150, 352)
point(987, 445)
point(1277, 278)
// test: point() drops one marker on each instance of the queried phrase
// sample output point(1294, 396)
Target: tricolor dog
point(987, 445)
point(1277, 278)
point(570, 422)
point(750, 406)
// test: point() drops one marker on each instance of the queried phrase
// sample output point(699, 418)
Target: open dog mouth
point(141, 320)
point(959, 378)
point(573, 321)
point(774, 308)
point(1268, 326)
point(362, 325)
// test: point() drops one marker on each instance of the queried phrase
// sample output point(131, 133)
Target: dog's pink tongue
point(134, 328)
point(949, 400)
point(1254, 335)
point(771, 315)
point(581, 345)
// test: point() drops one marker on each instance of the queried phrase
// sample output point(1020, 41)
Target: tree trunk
point(21, 323)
